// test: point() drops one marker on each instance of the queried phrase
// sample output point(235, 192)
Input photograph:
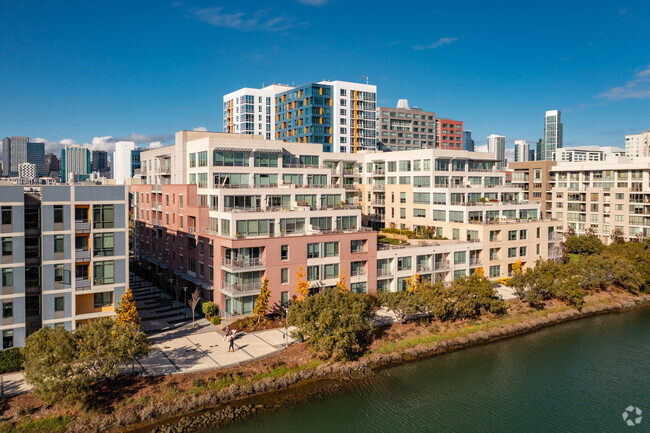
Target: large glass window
point(103, 216)
point(292, 225)
point(7, 277)
point(331, 271)
point(331, 249)
point(7, 246)
point(104, 273)
point(266, 160)
point(229, 159)
point(58, 214)
point(6, 215)
point(58, 243)
point(103, 299)
point(313, 251)
point(103, 244)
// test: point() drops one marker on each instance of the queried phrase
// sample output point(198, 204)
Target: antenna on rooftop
point(363, 76)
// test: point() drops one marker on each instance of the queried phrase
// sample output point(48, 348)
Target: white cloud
point(510, 154)
point(259, 20)
point(316, 3)
point(637, 88)
point(155, 145)
point(482, 148)
point(200, 128)
point(439, 43)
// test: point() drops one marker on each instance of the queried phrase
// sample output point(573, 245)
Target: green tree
point(336, 323)
point(589, 244)
point(126, 311)
point(104, 344)
point(51, 366)
point(402, 303)
point(209, 309)
point(262, 302)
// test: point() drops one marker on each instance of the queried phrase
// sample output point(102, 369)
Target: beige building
point(603, 196)
point(533, 177)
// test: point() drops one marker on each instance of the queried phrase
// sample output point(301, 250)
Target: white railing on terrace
point(242, 287)
point(242, 263)
point(423, 268)
point(381, 272)
point(441, 266)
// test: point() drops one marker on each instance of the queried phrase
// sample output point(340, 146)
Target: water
point(574, 377)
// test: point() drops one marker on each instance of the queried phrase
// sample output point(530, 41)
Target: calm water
point(576, 377)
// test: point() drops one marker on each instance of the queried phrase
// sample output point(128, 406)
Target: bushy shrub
point(216, 320)
point(11, 360)
point(589, 244)
point(208, 308)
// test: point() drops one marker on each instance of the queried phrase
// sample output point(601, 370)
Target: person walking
point(225, 336)
point(231, 343)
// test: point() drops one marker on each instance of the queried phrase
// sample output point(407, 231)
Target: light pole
point(185, 303)
point(286, 327)
point(171, 290)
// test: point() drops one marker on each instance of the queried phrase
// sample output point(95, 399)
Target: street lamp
point(171, 289)
point(185, 303)
point(286, 328)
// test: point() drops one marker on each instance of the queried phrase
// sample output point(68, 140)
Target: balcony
point(379, 173)
point(474, 263)
point(82, 283)
point(241, 289)
point(378, 217)
point(379, 187)
point(350, 172)
point(349, 186)
point(164, 170)
point(441, 266)
point(82, 255)
point(423, 267)
point(379, 202)
point(358, 272)
point(82, 226)
point(382, 272)
point(242, 263)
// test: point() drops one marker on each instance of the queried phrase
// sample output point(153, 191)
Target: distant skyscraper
point(18, 153)
point(552, 134)
point(52, 164)
point(531, 155)
point(497, 145)
point(539, 152)
point(36, 156)
point(6, 156)
point(126, 160)
point(522, 151)
point(99, 160)
point(75, 163)
point(468, 143)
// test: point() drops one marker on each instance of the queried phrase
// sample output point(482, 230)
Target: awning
point(189, 278)
point(268, 150)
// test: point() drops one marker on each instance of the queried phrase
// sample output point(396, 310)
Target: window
point(284, 252)
point(104, 273)
point(8, 338)
point(460, 257)
point(313, 251)
point(292, 225)
point(512, 252)
point(459, 274)
point(358, 246)
point(359, 287)
point(331, 271)
point(523, 234)
point(495, 271)
point(6, 215)
point(58, 214)
point(313, 273)
point(103, 217)
point(7, 310)
point(103, 299)
point(7, 277)
point(59, 303)
point(402, 213)
point(419, 213)
point(403, 263)
point(58, 244)
point(103, 244)
point(284, 276)
point(422, 198)
point(357, 268)
point(512, 235)
point(522, 251)
point(331, 249)
point(284, 299)
point(203, 159)
point(7, 246)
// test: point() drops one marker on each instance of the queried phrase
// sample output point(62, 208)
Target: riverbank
point(190, 401)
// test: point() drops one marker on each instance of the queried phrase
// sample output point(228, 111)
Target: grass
point(171, 392)
point(52, 424)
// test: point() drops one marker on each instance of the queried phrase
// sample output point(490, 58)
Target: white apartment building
point(497, 145)
point(522, 150)
point(638, 145)
point(587, 153)
point(251, 111)
point(602, 196)
point(553, 133)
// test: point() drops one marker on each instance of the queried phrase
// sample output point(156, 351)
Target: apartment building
point(497, 145)
point(338, 115)
point(601, 196)
point(587, 153)
point(405, 128)
point(64, 256)
point(553, 135)
point(534, 180)
point(522, 151)
point(251, 111)
point(638, 145)
point(449, 134)
point(459, 195)
point(75, 163)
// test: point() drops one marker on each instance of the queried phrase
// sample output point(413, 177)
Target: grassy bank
point(140, 401)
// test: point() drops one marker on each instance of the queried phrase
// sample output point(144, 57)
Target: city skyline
point(141, 82)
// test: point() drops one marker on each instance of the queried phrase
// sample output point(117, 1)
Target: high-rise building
point(522, 151)
point(539, 150)
point(75, 163)
point(532, 155)
point(468, 142)
point(497, 145)
point(405, 128)
point(125, 162)
point(36, 156)
point(52, 164)
point(449, 134)
point(6, 157)
point(64, 257)
point(638, 145)
point(99, 160)
point(552, 135)
point(251, 111)
point(18, 153)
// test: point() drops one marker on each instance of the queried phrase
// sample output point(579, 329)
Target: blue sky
point(95, 71)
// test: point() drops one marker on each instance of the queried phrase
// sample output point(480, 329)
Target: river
point(574, 377)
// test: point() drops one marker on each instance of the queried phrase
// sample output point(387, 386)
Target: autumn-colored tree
point(196, 297)
point(413, 283)
point(479, 272)
point(302, 287)
point(262, 302)
point(126, 312)
point(340, 284)
point(517, 268)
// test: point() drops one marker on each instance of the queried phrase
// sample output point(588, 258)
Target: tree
point(517, 268)
point(196, 297)
point(589, 244)
point(340, 284)
point(336, 323)
point(104, 344)
point(209, 309)
point(402, 303)
point(262, 302)
point(51, 367)
point(126, 312)
point(467, 297)
point(548, 280)
point(479, 272)
point(413, 283)
point(302, 287)
point(617, 236)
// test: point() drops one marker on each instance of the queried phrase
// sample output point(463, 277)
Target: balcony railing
point(242, 263)
point(358, 272)
point(379, 172)
point(441, 266)
point(82, 226)
point(382, 272)
point(379, 202)
point(82, 255)
point(379, 187)
point(82, 283)
point(423, 268)
point(474, 262)
point(241, 289)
